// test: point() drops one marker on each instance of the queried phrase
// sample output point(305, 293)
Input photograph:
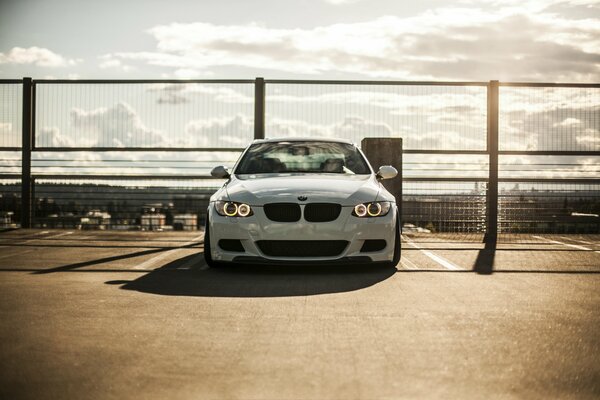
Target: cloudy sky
point(511, 40)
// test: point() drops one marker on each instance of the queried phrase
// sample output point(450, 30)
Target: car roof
point(302, 139)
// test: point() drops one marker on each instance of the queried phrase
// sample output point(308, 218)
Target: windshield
point(308, 157)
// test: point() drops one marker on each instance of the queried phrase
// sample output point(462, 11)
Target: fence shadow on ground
point(254, 281)
point(484, 264)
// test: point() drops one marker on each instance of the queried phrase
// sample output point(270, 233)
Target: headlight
point(233, 209)
point(374, 209)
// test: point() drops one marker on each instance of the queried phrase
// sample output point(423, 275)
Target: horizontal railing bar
point(410, 151)
point(209, 177)
point(548, 153)
point(592, 181)
point(363, 82)
point(549, 84)
point(132, 149)
point(130, 81)
point(306, 81)
point(160, 164)
point(156, 197)
point(240, 149)
point(525, 180)
point(188, 161)
point(151, 167)
point(123, 177)
point(443, 179)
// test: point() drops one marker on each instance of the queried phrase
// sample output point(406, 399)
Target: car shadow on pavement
point(189, 276)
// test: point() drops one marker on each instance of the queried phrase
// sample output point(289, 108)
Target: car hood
point(347, 190)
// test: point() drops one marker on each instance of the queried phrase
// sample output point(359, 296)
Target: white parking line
point(17, 255)
point(149, 264)
point(438, 259)
point(578, 241)
point(407, 264)
point(61, 234)
point(575, 246)
point(48, 237)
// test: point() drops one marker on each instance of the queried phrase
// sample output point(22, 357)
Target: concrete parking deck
point(100, 315)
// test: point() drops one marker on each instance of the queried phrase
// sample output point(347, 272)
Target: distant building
point(6, 219)
point(185, 222)
point(153, 222)
point(95, 219)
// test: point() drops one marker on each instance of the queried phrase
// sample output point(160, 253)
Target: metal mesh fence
point(548, 167)
point(10, 163)
point(526, 207)
point(426, 117)
point(431, 207)
point(549, 139)
point(121, 204)
point(447, 166)
point(122, 163)
point(549, 119)
point(10, 203)
point(143, 115)
point(11, 105)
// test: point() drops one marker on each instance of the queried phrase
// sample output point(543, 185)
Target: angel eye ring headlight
point(373, 209)
point(233, 209)
point(360, 210)
point(230, 209)
point(244, 210)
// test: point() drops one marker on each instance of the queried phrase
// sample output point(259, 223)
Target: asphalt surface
point(103, 315)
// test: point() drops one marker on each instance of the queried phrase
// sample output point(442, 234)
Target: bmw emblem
point(302, 198)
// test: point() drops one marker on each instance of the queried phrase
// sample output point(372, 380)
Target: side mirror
point(220, 172)
point(386, 172)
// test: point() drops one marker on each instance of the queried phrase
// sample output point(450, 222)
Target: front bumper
point(346, 227)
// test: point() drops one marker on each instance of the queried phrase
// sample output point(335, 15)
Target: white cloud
point(568, 122)
point(108, 61)
point(350, 127)
point(50, 136)
point(180, 93)
point(118, 126)
point(590, 138)
point(5, 128)
point(36, 55)
point(339, 2)
point(237, 131)
point(190, 73)
point(447, 43)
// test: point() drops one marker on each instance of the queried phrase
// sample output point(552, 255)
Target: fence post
point(386, 151)
point(26, 146)
point(493, 107)
point(259, 108)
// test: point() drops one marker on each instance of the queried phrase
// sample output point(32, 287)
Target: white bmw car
point(298, 201)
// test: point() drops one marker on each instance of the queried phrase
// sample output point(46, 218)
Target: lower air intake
point(231, 245)
point(371, 245)
point(302, 248)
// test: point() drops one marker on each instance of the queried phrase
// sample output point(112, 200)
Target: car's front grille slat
point(283, 212)
point(302, 248)
point(322, 212)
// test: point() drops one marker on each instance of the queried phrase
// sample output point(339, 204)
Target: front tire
point(397, 245)
point(207, 255)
